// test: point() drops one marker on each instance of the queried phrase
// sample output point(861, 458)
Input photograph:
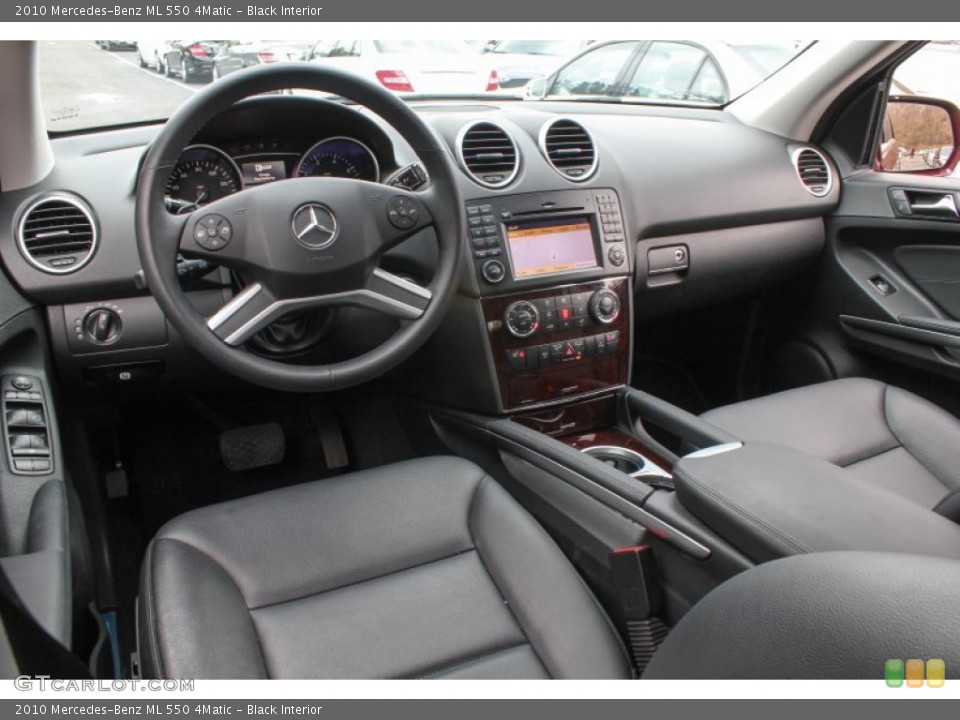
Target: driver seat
point(422, 569)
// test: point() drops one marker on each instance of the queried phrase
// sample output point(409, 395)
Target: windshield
point(767, 59)
point(561, 48)
point(87, 85)
point(443, 47)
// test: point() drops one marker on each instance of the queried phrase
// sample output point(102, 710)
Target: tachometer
point(339, 157)
point(203, 174)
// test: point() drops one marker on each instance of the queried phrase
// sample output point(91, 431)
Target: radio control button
point(616, 256)
point(493, 271)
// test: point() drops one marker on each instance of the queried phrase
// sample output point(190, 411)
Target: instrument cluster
point(205, 173)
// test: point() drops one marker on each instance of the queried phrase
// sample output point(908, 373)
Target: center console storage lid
point(771, 501)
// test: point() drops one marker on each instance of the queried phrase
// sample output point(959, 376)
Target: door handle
point(945, 206)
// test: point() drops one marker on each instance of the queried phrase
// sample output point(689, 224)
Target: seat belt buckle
point(635, 580)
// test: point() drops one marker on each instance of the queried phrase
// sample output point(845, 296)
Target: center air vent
point(568, 147)
point(488, 154)
point(814, 171)
point(57, 234)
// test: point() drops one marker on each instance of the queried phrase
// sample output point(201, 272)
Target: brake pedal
point(253, 446)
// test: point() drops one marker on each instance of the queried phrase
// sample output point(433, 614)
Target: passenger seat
point(878, 433)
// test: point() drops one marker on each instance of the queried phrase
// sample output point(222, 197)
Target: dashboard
point(666, 209)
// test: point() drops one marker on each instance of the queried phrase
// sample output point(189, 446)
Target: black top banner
point(486, 11)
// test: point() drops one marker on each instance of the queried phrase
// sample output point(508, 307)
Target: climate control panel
point(559, 342)
point(574, 311)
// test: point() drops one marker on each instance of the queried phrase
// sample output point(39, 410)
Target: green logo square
point(893, 672)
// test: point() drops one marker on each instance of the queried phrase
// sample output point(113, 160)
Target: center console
point(553, 270)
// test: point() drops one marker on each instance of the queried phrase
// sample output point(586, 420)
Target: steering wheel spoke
point(395, 296)
point(249, 312)
point(256, 307)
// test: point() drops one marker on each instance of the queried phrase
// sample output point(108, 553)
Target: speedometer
point(202, 175)
point(339, 157)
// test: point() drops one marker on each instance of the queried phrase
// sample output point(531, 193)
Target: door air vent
point(488, 154)
point(57, 233)
point(568, 147)
point(813, 170)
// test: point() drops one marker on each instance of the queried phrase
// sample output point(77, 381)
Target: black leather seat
point(422, 569)
point(834, 615)
point(875, 432)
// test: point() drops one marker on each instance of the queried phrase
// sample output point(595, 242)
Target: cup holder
point(627, 461)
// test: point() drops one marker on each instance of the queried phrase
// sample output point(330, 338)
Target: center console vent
point(57, 233)
point(488, 154)
point(568, 147)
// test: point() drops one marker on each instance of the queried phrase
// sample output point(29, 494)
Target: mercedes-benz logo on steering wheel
point(315, 226)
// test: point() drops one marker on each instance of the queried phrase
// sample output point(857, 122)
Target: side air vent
point(813, 170)
point(488, 154)
point(57, 234)
point(568, 147)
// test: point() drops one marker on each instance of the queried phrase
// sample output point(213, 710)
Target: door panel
point(935, 271)
point(888, 295)
point(34, 528)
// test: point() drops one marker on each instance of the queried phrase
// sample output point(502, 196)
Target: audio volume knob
point(103, 326)
point(493, 271)
point(522, 319)
point(605, 306)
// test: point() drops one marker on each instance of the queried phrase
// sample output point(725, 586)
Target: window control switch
point(882, 285)
point(26, 431)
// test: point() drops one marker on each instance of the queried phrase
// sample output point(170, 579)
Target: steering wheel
point(303, 243)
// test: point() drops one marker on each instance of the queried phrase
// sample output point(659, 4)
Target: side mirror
point(920, 136)
point(536, 88)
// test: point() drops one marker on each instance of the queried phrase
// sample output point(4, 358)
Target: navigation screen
point(551, 247)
